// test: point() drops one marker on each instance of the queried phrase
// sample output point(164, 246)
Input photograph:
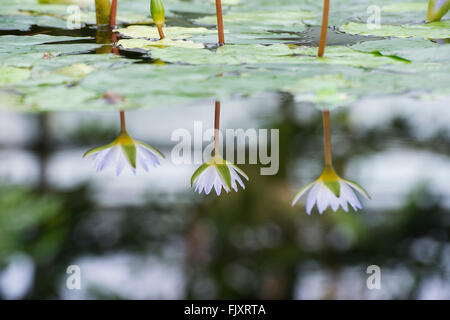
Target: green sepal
point(358, 187)
point(225, 174)
point(98, 149)
point(151, 148)
point(130, 152)
point(334, 187)
point(303, 189)
point(197, 172)
point(157, 11)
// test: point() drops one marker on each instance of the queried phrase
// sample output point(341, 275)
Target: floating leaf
point(434, 30)
point(10, 75)
point(416, 50)
point(402, 7)
point(327, 91)
point(278, 53)
point(77, 70)
point(166, 42)
point(150, 32)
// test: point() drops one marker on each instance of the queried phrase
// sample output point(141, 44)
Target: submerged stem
point(327, 137)
point(216, 128)
point(122, 121)
point(220, 22)
point(323, 31)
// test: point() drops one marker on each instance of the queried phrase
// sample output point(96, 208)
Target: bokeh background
point(150, 236)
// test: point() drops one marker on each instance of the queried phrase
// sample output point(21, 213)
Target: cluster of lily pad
point(263, 53)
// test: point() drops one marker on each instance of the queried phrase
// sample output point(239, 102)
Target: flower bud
point(157, 11)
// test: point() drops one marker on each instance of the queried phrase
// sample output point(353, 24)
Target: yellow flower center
point(124, 139)
point(329, 175)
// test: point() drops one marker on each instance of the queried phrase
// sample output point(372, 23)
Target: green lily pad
point(23, 22)
point(401, 7)
point(9, 75)
point(166, 42)
point(434, 30)
point(325, 91)
point(278, 53)
point(416, 50)
point(151, 32)
point(260, 22)
point(77, 70)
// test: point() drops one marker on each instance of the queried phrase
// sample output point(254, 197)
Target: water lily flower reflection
point(330, 190)
point(125, 152)
point(217, 173)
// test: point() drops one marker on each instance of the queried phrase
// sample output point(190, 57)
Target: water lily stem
point(216, 128)
point(327, 137)
point(220, 22)
point(160, 31)
point(112, 19)
point(123, 127)
point(323, 32)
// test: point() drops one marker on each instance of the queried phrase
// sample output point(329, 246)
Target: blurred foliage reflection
point(249, 244)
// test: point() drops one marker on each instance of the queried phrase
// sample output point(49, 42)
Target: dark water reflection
point(150, 236)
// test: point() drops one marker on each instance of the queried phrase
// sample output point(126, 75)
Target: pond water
point(149, 235)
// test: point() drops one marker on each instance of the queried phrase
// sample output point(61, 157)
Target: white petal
point(348, 195)
point(358, 188)
point(324, 198)
point(312, 197)
point(235, 177)
point(302, 191)
point(121, 163)
point(334, 202)
point(209, 177)
point(199, 182)
point(218, 185)
point(148, 155)
point(140, 161)
point(109, 158)
point(237, 169)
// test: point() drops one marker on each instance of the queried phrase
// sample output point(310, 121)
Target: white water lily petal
point(148, 155)
point(115, 156)
point(358, 188)
point(121, 163)
point(349, 196)
point(301, 192)
point(324, 198)
point(218, 183)
point(211, 178)
point(140, 161)
point(312, 197)
point(318, 193)
point(235, 177)
point(108, 158)
point(334, 203)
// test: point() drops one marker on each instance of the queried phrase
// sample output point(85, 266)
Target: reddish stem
point(115, 50)
point(112, 19)
point(327, 137)
point(220, 22)
point(216, 128)
point(122, 121)
point(323, 32)
point(161, 32)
